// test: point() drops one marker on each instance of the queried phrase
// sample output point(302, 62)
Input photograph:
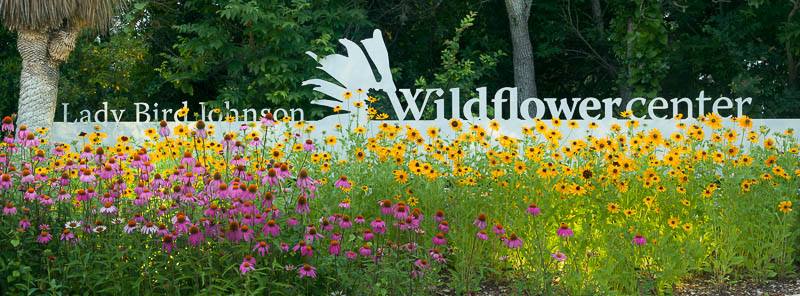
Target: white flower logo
point(353, 72)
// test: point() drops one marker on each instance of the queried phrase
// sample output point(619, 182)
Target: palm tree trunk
point(524, 71)
point(38, 83)
point(42, 53)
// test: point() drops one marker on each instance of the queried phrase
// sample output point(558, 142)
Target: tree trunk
point(791, 64)
point(42, 52)
point(524, 71)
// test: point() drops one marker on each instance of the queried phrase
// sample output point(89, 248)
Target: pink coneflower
point(167, 243)
point(234, 232)
point(44, 237)
point(342, 183)
point(68, 236)
point(305, 182)
point(336, 236)
point(439, 216)
point(335, 248)
point(24, 223)
point(8, 124)
point(378, 226)
point(87, 176)
point(513, 242)
point(386, 207)
point(246, 267)
point(344, 204)
point(9, 209)
point(308, 145)
point(45, 200)
point(312, 234)
point(498, 229)
point(534, 210)
point(284, 247)
point(368, 235)
point(421, 265)
point(262, 248)
point(437, 256)
point(181, 222)
point(444, 226)
point(365, 250)
point(345, 222)
point(439, 239)
point(196, 237)
point(307, 271)
point(351, 255)
point(559, 256)
point(480, 221)
point(271, 228)
point(307, 251)
point(302, 205)
point(482, 235)
point(639, 240)
point(359, 219)
point(400, 211)
point(5, 181)
point(247, 233)
point(267, 120)
point(130, 227)
point(564, 231)
point(292, 222)
point(163, 130)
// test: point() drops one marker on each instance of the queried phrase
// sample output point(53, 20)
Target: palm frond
point(44, 15)
point(36, 14)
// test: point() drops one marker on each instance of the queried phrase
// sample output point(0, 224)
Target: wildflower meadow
point(393, 210)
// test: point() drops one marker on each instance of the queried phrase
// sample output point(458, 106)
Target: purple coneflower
point(534, 210)
point(342, 183)
point(639, 240)
point(9, 209)
point(444, 226)
point(335, 248)
point(44, 237)
point(302, 205)
point(262, 248)
point(513, 242)
point(559, 256)
point(167, 243)
point(378, 226)
point(439, 239)
point(365, 250)
point(482, 235)
point(196, 237)
point(368, 235)
point(248, 264)
point(480, 221)
point(271, 228)
point(305, 182)
point(149, 228)
point(498, 229)
point(564, 231)
point(308, 145)
point(307, 271)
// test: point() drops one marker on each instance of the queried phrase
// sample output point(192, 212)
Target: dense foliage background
point(252, 52)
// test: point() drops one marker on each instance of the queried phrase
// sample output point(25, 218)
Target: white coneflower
point(108, 209)
point(99, 229)
point(149, 228)
point(130, 227)
point(117, 221)
point(72, 224)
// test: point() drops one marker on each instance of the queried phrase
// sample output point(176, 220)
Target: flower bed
point(401, 212)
